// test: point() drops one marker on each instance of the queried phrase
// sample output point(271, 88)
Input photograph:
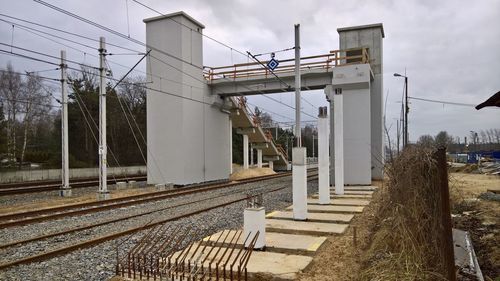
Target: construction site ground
point(478, 211)
point(340, 257)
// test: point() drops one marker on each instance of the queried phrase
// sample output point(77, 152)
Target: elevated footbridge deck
point(253, 78)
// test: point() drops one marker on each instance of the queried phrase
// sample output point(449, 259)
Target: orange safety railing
point(320, 62)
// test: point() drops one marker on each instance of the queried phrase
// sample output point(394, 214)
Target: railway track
point(34, 216)
point(236, 196)
point(40, 186)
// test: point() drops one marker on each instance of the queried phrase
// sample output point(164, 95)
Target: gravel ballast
point(98, 262)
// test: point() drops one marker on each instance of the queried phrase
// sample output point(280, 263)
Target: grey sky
point(450, 49)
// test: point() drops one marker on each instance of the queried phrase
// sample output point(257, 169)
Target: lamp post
point(406, 109)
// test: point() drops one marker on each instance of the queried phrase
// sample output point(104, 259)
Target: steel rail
point(40, 186)
point(27, 217)
point(95, 241)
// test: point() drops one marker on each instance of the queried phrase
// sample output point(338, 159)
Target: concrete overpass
point(191, 114)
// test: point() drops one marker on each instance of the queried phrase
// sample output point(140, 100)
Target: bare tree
point(426, 141)
point(443, 139)
point(10, 91)
point(35, 105)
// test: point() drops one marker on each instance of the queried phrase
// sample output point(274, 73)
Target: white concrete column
point(230, 146)
point(299, 183)
point(245, 152)
point(323, 157)
point(271, 165)
point(254, 220)
point(251, 155)
point(259, 158)
point(339, 141)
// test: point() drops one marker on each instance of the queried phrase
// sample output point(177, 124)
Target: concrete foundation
point(305, 228)
point(333, 209)
point(65, 192)
point(299, 183)
point(254, 220)
point(344, 202)
point(313, 217)
point(103, 196)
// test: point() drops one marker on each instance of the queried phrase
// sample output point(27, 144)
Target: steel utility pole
point(297, 86)
point(65, 188)
point(103, 148)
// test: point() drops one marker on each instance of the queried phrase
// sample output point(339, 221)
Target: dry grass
point(407, 245)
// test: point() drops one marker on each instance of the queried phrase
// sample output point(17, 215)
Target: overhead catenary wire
point(126, 37)
point(114, 32)
point(204, 81)
point(110, 61)
point(443, 102)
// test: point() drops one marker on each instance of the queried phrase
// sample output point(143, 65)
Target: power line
point(204, 35)
point(62, 31)
point(85, 53)
point(112, 31)
point(47, 55)
point(443, 102)
point(127, 37)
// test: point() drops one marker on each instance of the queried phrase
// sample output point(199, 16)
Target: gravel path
point(98, 263)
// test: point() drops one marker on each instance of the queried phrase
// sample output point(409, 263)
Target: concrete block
point(360, 188)
point(344, 202)
point(66, 192)
point(103, 196)
point(313, 217)
point(132, 184)
point(332, 209)
point(254, 220)
point(304, 228)
point(346, 196)
point(121, 185)
point(299, 186)
point(280, 242)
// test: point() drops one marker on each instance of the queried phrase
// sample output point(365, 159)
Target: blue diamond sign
point(272, 64)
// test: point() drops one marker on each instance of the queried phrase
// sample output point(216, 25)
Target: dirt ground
point(339, 259)
point(250, 173)
point(480, 217)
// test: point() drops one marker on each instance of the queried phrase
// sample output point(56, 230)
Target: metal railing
point(323, 62)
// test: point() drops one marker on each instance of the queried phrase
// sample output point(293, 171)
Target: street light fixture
point(406, 109)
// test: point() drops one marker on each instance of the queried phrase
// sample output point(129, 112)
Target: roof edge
point(171, 15)
point(358, 27)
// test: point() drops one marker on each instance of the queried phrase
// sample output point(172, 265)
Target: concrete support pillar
point(251, 155)
point(259, 158)
point(245, 152)
point(230, 146)
point(254, 220)
point(323, 157)
point(271, 165)
point(339, 141)
point(299, 183)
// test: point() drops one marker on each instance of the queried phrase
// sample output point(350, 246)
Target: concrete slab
point(281, 266)
point(304, 227)
point(345, 202)
point(354, 192)
point(279, 242)
point(344, 196)
point(361, 187)
point(332, 209)
point(313, 217)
